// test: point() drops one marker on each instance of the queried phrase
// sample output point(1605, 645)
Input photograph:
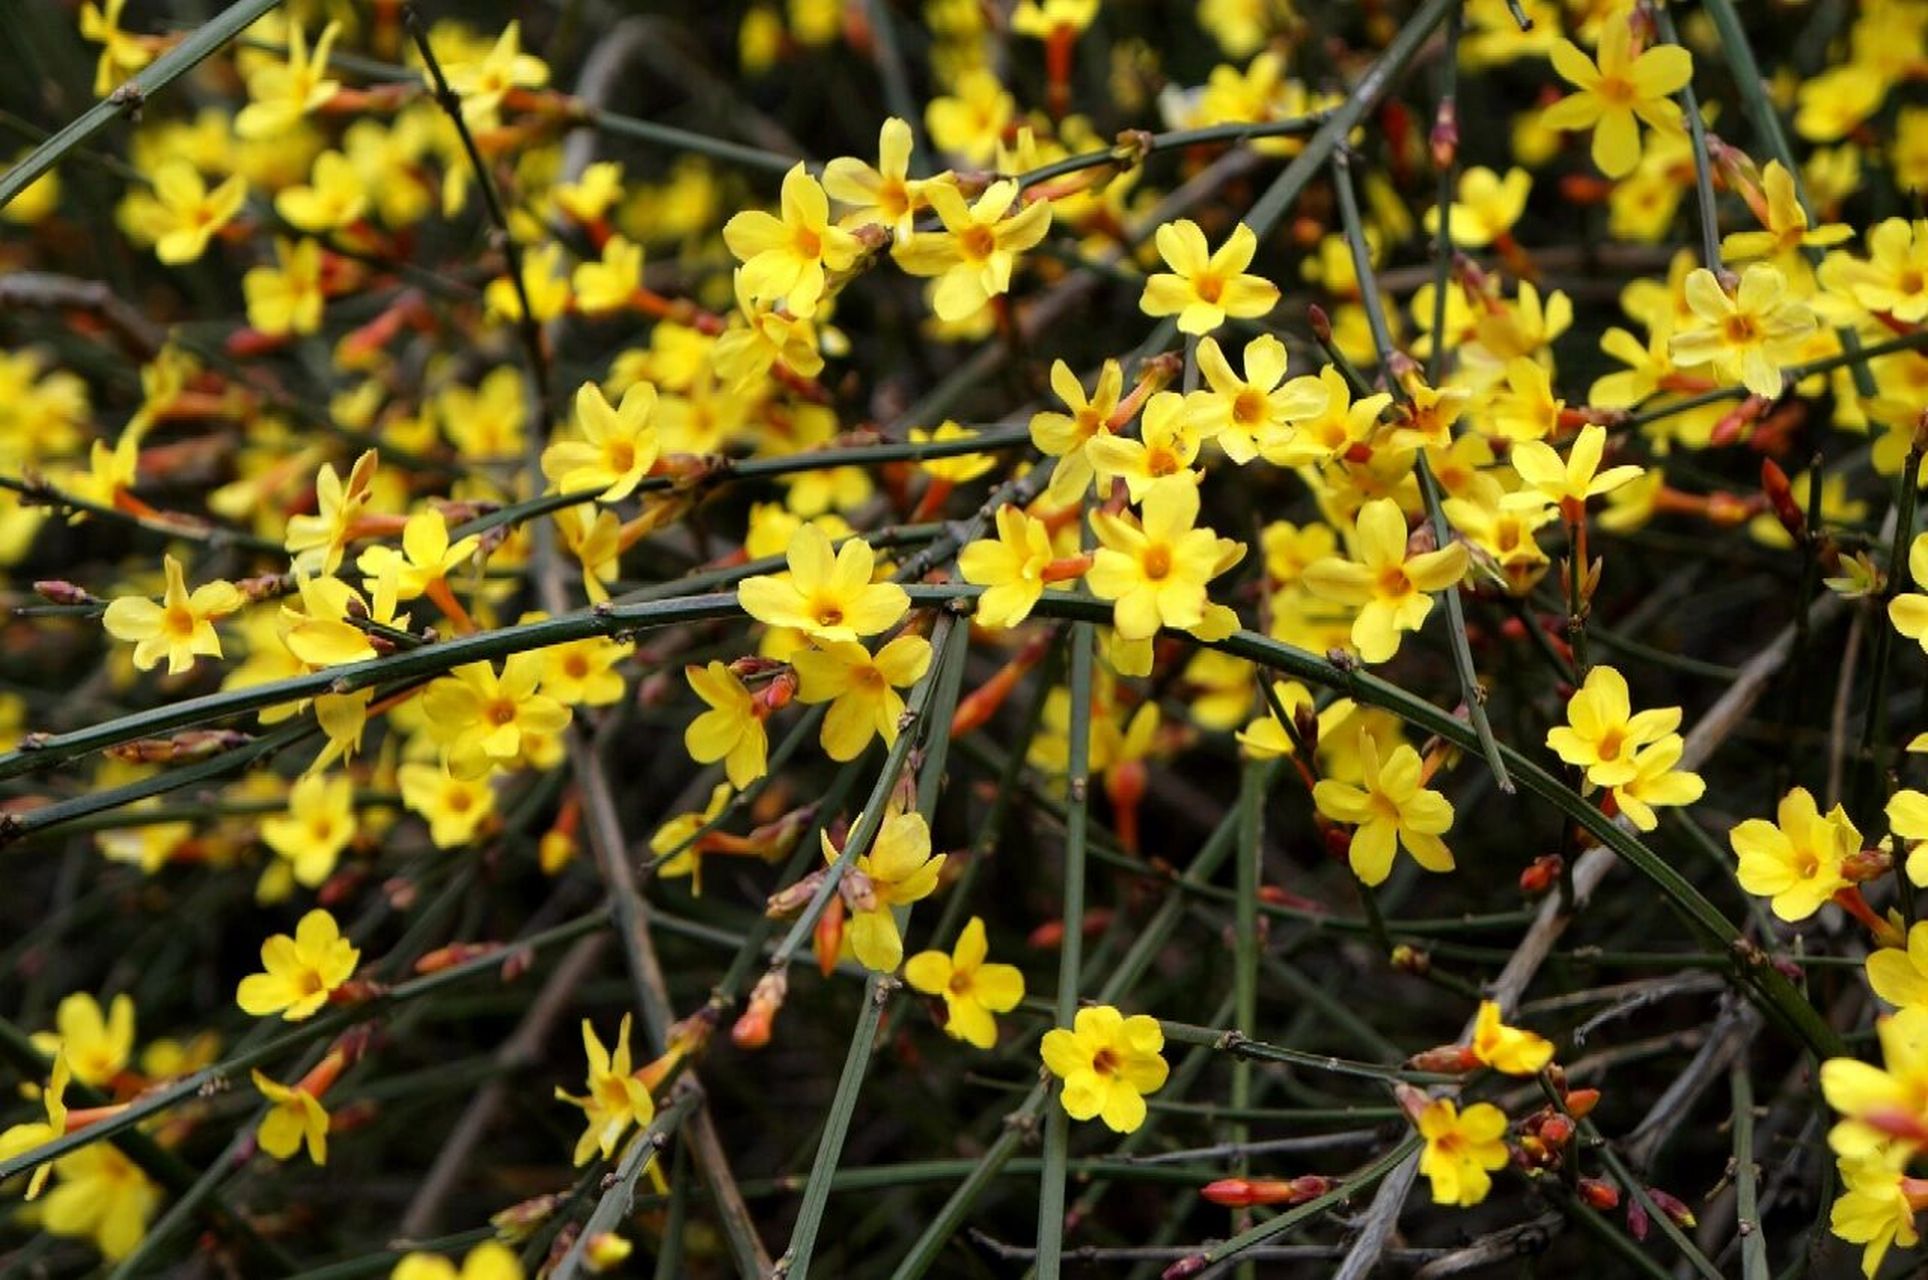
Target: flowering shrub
point(925, 562)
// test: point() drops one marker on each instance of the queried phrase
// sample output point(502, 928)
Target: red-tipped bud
point(1557, 1131)
point(1449, 1059)
point(1673, 1207)
point(1243, 1193)
point(1864, 865)
point(1185, 1268)
point(60, 591)
point(1541, 875)
point(1581, 1102)
point(752, 1030)
point(827, 937)
point(1599, 1194)
point(455, 953)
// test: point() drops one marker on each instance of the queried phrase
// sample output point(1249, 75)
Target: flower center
point(829, 615)
point(809, 243)
point(308, 983)
point(500, 712)
point(1912, 280)
point(178, 620)
point(1611, 744)
point(1105, 1062)
point(1806, 865)
point(622, 454)
point(960, 983)
point(1248, 408)
point(1157, 562)
point(1617, 90)
point(1208, 286)
point(1739, 330)
point(977, 243)
point(1161, 461)
point(1394, 582)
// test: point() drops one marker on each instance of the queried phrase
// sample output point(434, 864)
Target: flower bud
point(1599, 1193)
point(752, 1030)
point(1581, 1102)
point(1673, 1207)
point(1541, 875)
point(1450, 1059)
point(1407, 958)
point(1243, 1193)
point(520, 1220)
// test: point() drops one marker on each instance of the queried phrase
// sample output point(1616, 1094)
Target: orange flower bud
point(455, 953)
point(827, 937)
point(1599, 1193)
point(1541, 875)
point(1581, 1102)
point(1242, 1193)
point(1450, 1059)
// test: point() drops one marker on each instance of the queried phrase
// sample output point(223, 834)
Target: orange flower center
point(1105, 1062)
point(1740, 330)
point(621, 453)
point(1208, 286)
point(1394, 582)
point(1157, 563)
point(178, 620)
point(1611, 744)
point(977, 243)
point(500, 712)
point(829, 615)
point(1248, 408)
point(809, 243)
point(1617, 90)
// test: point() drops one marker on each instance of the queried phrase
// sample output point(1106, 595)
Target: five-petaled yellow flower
point(897, 870)
point(1155, 569)
point(731, 730)
point(182, 215)
point(295, 1118)
point(1795, 861)
point(826, 594)
point(483, 720)
point(975, 253)
point(1108, 1063)
point(613, 1098)
point(1546, 480)
point(302, 971)
point(1610, 94)
point(179, 628)
point(886, 195)
point(1204, 287)
point(971, 989)
point(1462, 1149)
point(618, 445)
point(1748, 335)
point(1011, 568)
point(1603, 732)
point(860, 688)
point(786, 258)
point(1391, 807)
point(1391, 589)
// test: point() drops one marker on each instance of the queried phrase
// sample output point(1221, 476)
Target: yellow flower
point(1462, 1148)
point(1167, 446)
point(483, 83)
point(180, 627)
point(582, 672)
point(286, 298)
point(543, 278)
point(1322, 436)
point(975, 253)
point(861, 689)
point(785, 259)
point(827, 595)
point(1156, 570)
point(1052, 18)
point(731, 730)
point(1796, 859)
point(19, 1139)
point(609, 283)
point(680, 833)
point(1746, 337)
point(121, 54)
point(1656, 783)
point(96, 1048)
point(332, 199)
point(1391, 807)
point(1602, 732)
point(595, 539)
point(970, 123)
point(1011, 568)
point(490, 1260)
point(102, 1196)
point(484, 721)
point(1487, 207)
point(1610, 94)
point(1065, 436)
point(1900, 975)
point(1108, 1063)
point(971, 989)
point(1785, 223)
point(768, 336)
point(317, 542)
point(1908, 819)
point(1894, 280)
point(296, 1118)
point(454, 807)
point(895, 871)
point(425, 558)
point(613, 1098)
point(302, 971)
point(1546, 480)
point(1203, 287)
point(1881, 1104)
point(320, 634)
point(1874, 1209)
point(1508, 1049)
point(1257, 412)
point(181, 215)
point(1390, 588)
point(319, 824)
point(617, 449)
point(283, 92)
point(886, 195)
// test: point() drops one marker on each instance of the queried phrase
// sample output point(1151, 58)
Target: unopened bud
point(604, 1250)
point(1407, 958)
point(60, 591)
point(1541, 875)
point(455, 953)
point(1581, 1102)
point(1556, 1131)
point(752, 1030)
point(1444, 141)
point(1673, 1207)
point(519, 1221)
point(1321, 323)
point(1449, 1059)
point(792, 898)
point(1243, 1193)
point(1864, 865)
point(1599, 1193)
point(1185, 1268)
